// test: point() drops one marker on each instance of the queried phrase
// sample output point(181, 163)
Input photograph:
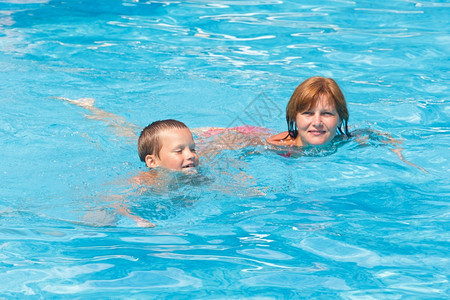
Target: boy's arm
point(123, 209)
point(140, 222)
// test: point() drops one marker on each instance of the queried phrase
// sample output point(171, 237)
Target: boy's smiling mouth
point(192, 165)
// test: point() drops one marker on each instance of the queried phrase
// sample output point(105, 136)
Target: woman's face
point(317, 126)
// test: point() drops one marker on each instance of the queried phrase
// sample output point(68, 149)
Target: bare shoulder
point(143, 179)
point(280, 139)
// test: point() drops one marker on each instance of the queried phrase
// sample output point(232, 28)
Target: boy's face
point(177, 151)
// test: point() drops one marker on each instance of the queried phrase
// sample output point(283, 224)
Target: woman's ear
point(151, 161)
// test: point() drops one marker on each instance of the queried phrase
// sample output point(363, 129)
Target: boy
point(165, 144)
point(168, 144)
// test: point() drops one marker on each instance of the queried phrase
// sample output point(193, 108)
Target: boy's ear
point(150, 161)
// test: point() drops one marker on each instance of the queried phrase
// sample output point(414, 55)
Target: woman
point(316, 112)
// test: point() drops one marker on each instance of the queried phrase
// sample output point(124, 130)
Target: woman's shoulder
point(280, 139)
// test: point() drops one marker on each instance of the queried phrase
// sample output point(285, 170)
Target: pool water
point(350, 221)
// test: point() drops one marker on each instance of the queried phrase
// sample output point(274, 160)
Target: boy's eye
point(307, 113)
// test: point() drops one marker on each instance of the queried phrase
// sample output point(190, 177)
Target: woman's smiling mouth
point(317, 132)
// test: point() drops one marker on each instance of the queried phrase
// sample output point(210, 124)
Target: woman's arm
point(398, 150)
point(388, 139)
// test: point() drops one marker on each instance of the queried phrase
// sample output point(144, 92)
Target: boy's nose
point(189, 154)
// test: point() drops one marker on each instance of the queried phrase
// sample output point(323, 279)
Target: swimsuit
point(243, 129)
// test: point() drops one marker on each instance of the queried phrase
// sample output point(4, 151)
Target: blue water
point(349, 222)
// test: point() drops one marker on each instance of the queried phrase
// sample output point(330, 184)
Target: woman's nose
point(317, 120)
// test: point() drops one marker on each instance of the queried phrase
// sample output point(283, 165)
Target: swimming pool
point(347, 223)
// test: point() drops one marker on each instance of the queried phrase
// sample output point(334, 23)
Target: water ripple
point(391, 11)
point(145, 280)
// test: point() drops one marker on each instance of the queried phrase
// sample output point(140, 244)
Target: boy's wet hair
point(149, 142)
point(306, 96)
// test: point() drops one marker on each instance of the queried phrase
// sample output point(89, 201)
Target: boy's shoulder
point(144, 178)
